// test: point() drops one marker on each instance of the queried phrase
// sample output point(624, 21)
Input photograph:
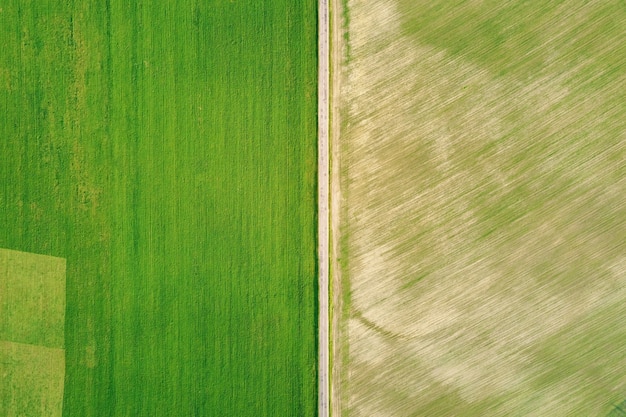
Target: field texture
point(482, 209)
point(167, 150)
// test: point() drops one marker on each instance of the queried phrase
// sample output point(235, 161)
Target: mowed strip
point(32, 323)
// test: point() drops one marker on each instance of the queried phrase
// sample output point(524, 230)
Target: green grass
point(167, 151)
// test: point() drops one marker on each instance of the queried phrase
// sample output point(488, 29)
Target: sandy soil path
point(323, 209)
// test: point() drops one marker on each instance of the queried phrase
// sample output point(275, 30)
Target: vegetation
point(167, 150)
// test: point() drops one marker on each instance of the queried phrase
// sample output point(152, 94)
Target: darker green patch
point(618, 410)
point(521, 38)
point(345, 28)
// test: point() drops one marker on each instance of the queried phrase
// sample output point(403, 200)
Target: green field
point(483, 222)
point(167, 151)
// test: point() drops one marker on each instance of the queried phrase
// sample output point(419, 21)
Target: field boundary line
point(323, 170)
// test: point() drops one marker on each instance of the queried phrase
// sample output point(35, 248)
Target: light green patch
point(32, 298)
point(32, 314)
point(32, 380)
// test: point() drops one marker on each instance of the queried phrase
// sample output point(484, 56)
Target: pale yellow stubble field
point(482, 209)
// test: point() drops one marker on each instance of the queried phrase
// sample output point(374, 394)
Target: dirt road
point(323, 214)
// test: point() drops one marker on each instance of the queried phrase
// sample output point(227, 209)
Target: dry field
point(480, 186)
